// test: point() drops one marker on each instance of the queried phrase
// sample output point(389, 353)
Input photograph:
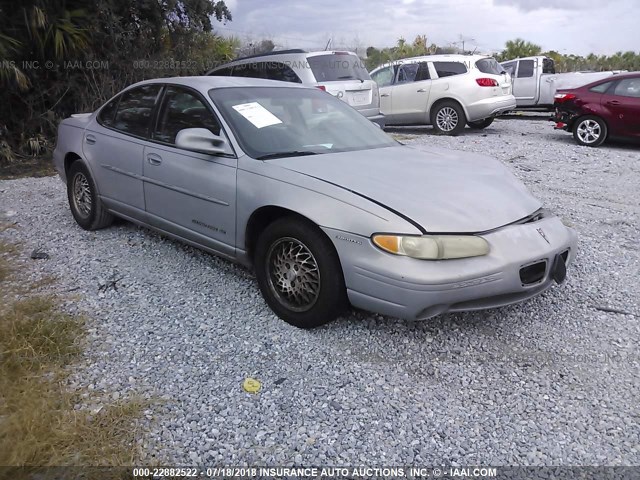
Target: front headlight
point(433, 247)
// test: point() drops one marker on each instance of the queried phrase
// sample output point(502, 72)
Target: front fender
point(260, 184)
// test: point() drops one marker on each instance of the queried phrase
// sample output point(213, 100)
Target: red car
point(608, 108)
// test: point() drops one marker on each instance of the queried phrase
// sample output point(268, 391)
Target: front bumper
point(490, 107)
point(417, 289)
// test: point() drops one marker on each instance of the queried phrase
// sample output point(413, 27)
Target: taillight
point(563, 97)
point(487, 82)
point(322, 87)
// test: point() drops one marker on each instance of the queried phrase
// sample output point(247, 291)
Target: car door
point(384, 78)
point(525, 83)
point(187, 193)
point(623, 102)
point(410, 93)
point(113, 145)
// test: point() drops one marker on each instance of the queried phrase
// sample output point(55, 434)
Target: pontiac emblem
point(541, 232)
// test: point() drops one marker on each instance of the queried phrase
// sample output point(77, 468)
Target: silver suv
point(341, 74)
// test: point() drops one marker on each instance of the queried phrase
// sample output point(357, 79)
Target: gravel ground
point(554, 380)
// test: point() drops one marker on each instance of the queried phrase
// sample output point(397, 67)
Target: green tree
point(519, 48)
point(42, 43)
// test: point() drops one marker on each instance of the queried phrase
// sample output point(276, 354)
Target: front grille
point(533, 273)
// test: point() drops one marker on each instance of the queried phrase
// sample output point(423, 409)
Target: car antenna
point(328, 43)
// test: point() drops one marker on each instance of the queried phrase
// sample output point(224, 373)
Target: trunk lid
point(344, 76)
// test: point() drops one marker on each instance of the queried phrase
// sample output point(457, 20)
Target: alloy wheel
point(447, 119)
point(82, 194)
point(293, 274)
point(589, 131)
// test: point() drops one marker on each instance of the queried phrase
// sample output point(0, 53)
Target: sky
point(567, 26)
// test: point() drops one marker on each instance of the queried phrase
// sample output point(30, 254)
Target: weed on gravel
point(40, 424)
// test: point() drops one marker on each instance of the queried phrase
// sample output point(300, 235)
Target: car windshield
point(271, 122)
point(337, 67)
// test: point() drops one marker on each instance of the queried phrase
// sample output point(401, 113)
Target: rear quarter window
point(449, 69)
point(280, 71)
point(223, 72)
point(490, 66)
point(105, 117)
point(603, 87)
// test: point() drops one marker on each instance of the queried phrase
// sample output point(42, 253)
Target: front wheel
point(448, 118)
point(481, 124)
point(299, 273)
point(590, 131)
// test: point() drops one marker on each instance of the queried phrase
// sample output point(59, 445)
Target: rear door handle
point(90, 139)
point(422, 90)
point(384, 94)
point(154, 159)
point(613, 102)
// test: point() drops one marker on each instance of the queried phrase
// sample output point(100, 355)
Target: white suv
point(342, 74)
point(446, 91)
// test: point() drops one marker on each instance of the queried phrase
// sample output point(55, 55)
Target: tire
point(296, 240)
point(589, 131)
point(481, 124)
point(86, 207)
point(448, 118)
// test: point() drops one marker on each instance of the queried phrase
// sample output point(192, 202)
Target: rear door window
point(383, 77)
point(449, 69)
point(337, 67)
point(407, 73)
point(135, 110)
point(525, 69)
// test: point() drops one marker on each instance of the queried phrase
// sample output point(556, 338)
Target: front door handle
point(154, 159)
point(90, 139)
point(384, 94)
point(613, 102)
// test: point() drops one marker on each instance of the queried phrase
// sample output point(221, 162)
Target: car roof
point(617, 76)
point(205, 83)
point(283, 54)
point(446, 56)
point(441, 57)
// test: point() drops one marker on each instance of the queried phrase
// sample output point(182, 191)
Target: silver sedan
point(326, 208)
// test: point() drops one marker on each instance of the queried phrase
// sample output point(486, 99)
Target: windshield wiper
point(292, 153)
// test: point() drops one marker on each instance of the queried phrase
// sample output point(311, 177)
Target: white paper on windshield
point(258, 115)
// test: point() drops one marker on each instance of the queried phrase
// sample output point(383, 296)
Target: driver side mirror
point(201, 140)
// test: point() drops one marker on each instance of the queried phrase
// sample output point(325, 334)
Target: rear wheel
point(86, 207)
point(590, 131)
point(481, 124)
point(299, 273)
point(448, 118)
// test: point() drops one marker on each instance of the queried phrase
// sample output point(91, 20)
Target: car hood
point(443, 191)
